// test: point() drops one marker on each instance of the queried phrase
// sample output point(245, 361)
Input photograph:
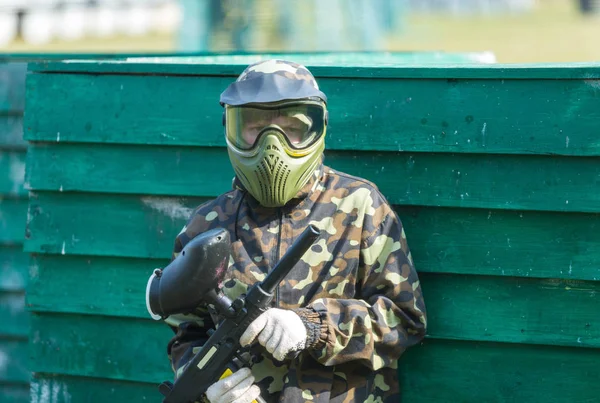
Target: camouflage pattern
point(357, 282)
point(283, 68)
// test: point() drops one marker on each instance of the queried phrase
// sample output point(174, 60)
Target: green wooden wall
point(14, 369)
point(14, 354)
point(14, 319)
point(494, 171)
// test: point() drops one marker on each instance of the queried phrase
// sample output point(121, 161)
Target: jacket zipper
point(277, 253)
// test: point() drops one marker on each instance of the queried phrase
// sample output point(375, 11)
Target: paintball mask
point(275, 122)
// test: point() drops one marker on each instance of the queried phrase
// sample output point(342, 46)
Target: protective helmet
point(275, 122)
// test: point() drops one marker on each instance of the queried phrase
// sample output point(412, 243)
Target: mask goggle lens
point(302, 124)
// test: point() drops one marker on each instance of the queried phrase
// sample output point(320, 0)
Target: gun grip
point(229, 372)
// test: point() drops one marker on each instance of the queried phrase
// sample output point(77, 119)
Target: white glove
point(236, 388)
point(280, 331)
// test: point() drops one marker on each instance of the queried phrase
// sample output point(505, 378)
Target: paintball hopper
point(191, 277)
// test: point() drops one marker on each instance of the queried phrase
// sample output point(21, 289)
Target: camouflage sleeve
point(190, 330)
point(388, 314)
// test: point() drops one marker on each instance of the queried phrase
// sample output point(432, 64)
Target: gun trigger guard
point(244, 358)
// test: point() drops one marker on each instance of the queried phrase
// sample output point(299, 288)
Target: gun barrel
point(291, 257)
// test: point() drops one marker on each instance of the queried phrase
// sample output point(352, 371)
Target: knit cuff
point(316, 330)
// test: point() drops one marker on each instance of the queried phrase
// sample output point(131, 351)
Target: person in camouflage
point(353, 304)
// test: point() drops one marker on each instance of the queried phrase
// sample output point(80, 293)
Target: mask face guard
point(271, 175)
point(240, 122)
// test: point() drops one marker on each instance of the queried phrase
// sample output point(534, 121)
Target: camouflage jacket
point(357, 284)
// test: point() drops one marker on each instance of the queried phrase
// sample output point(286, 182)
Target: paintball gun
point(194, 278)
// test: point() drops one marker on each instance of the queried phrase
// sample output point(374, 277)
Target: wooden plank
point(119, 285)
point(486, 313)
point(107, 234)
point(243, 58)
point(13, 315)
point(13, 216)
point(416, 115)
point(504, 373)
point(71, 389)
point(488, 372)
point(503, 242)
point(14, 393)
point(11, 132)
point(582, 70)
point(12, 167)
point(518, 310)
point(103, 347)
point(13, 268)
point(362, 58)
point(100, 347)
point(14, 363)
point(462, 180)
point(467, 241)
point(12, 87)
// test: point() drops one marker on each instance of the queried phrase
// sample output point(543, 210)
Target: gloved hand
point(236, 388)
point(280, 331)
